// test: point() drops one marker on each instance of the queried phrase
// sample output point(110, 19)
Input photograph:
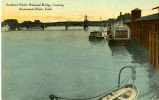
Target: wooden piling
point(156, 58)
point(146, 33)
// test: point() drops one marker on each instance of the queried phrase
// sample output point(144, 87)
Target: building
point(145, 31)
point(156, 8)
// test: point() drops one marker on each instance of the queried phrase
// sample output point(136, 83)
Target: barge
point(98, 34)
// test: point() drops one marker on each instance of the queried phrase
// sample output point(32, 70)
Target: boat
point(98, 34)
point(119, 34)
point(128, 92)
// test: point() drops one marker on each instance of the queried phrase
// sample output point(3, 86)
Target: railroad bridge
point(85, 24)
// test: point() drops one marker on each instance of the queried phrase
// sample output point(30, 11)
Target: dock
point(145, 31)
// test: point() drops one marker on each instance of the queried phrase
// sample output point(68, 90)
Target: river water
point(36, 64)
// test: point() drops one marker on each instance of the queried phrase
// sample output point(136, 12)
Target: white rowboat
point(128, 92)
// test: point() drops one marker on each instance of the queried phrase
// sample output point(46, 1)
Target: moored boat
point(98, 34)
point(128, 92)
point(119, 34)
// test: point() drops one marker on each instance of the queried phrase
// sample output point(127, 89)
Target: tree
point(124, 17)
point(13, 23)
point(27, 24)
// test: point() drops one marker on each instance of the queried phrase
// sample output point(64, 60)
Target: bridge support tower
point(85, 26)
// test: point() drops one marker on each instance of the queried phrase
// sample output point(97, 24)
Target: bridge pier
point(66, 27)
point(85, 27)
point(42, 27)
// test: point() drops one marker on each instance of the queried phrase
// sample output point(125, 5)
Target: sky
point(75, 10)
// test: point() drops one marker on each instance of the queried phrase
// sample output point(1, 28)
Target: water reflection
point(139, 54)
point(60, 28)
point(118, 50)
point(141, 59)
point(97, 41)
point(153, 82)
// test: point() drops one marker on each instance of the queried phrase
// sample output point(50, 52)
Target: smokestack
point(121, 17)
point(135, 14)
point(120, 13)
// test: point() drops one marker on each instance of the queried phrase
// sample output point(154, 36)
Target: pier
point(145, 31)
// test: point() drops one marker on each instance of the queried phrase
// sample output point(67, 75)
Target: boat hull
point(118, 41)
point(97, 37)
point(128, 92)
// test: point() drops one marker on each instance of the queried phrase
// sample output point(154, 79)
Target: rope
point(133, 74)
point(100, 95)
point(147, 92)
point(128, 79)
point(81, 98)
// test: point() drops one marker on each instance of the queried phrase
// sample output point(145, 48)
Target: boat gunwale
point(126, 86)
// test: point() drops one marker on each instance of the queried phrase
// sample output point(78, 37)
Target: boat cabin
point(120, 31)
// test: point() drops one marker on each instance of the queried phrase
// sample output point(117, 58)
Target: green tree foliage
point(29, 24)
point(111, 20)
point(13, 23)
point(124, 17)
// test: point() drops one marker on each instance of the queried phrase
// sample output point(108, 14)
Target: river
point(36, 64)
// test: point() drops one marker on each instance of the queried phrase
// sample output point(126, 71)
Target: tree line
point(13, 24)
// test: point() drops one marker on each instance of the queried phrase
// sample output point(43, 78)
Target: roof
point(127, 21)
point(149, 17)
point(136, 9)
point(155, 8)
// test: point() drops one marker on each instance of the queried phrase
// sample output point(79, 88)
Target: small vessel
point(98, 34)
point(128, 92)
point(5, 28)
point(119, 34)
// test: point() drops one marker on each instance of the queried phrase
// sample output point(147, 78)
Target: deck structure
point(118, 34)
